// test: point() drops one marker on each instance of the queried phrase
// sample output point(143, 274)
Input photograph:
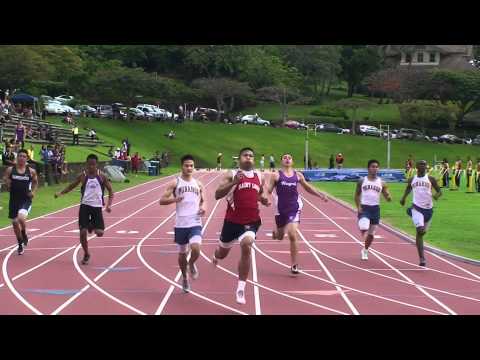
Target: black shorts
point(231, 231)
point(91, 218)
point(16, 205)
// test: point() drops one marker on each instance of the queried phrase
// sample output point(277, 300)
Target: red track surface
point(134, 268)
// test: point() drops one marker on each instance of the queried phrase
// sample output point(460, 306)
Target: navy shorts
point(16, 205)
point(370, 212)
point(231, 231)
point(183, 235)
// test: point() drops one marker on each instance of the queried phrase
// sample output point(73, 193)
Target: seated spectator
point(8, 157)
point(117, 153)
point(92, 134)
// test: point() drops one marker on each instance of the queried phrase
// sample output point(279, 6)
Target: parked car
point(467, 141)
point(64, 98)
point(70, 110)
point(87, 110)
point(450, 139)
point(139, 114)
point(254, 119)
point(369, 130)
point(410, 134)
point(476, 141)
point(329, 128)
point(54, 108)
point(291, 124)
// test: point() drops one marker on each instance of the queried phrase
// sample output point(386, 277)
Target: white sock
point(241, 285)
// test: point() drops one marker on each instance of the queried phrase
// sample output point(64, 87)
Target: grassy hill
point(205, 140)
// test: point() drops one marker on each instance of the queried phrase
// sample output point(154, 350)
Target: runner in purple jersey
point(289, 204)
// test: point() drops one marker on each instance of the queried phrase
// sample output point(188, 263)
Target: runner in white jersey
point(367, 199)
point(90, 217)
point(421, 210)
point(187, 193)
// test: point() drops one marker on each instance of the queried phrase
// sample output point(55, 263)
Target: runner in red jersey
point(243, 189)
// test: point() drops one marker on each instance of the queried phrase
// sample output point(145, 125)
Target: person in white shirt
point(90, 217)
point(421, 210)
point(367, 199)
point(188, 195)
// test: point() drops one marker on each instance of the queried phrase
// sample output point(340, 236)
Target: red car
point(291, 124)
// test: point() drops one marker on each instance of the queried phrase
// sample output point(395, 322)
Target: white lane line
point(6, 277)
point(330, 276)
point(93, 283)
point(256, 292)
point(420, 288)
point(348, 287)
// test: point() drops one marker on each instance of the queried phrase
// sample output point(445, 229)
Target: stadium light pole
point(388, 144)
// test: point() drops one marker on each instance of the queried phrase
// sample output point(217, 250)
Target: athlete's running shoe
point(86, 259)
point(294, 269)
point(20, 249)
point(423, 262)
point(364, 254)
point(241, 297)
point(185, 285)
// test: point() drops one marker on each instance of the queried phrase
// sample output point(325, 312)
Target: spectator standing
point(31, 153)
point(272, 163)
point(20, 133)
point(331, 163)
point(136, 163)
point(75, 134)
point(339, 160)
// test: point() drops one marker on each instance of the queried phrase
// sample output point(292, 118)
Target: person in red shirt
point(135, 163)
point(244, 189)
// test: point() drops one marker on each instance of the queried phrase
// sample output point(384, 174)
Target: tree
point(461, 88)
point(357, 62)
point(354, 104)
point(20, 65)
point(427, 114)
point(224, 91)
point(318, 64)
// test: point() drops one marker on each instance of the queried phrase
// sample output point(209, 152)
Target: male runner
point(187, 193)
point(289, 204)
point(22, 182)
point(90, 217)
point(367, 199)
point(422, 208)
point(244, 189)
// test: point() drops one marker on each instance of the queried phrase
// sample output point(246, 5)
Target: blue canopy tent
point(27, 99)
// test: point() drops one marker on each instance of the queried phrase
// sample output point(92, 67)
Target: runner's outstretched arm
point(386, 192)
point(203, 204)
point(358, 192)
point(108, 185)
point(6, 178)
point(309, 188)
point(408, 190)
point(436, 187)
point(71, 186)
point(34, 183)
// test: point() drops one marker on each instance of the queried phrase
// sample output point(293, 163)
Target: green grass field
point(378, 114)
point(455, 224)
point(205, 141)
point(44, 201)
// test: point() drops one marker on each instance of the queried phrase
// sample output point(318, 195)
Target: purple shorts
point(283, 220)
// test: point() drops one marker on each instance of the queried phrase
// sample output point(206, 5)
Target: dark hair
point(22, 151)
point(246, 149)
point(92, 157)
point(373, 161)
point(186, 157)
point(286, 154)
